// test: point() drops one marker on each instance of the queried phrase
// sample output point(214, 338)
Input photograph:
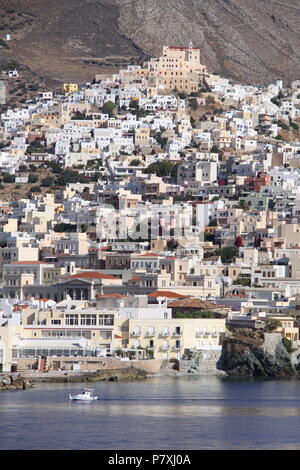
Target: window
point(71, 319)
point(107, 320)
point(88, 319)
point(105, 334)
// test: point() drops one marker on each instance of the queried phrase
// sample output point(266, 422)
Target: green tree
point(36, 147)
point(54, 167)
point(47, 182)
point(193, 104)
point(163, 168)
point(109, 108)
point(272, 325)
point(84, 228)
point(23, 168)
point(213, 223)
point(135, 162)
point(32, 178)
point(63, 227)
point(283, 125)
point(69, 176)
point(7, 178)
point(134, 104)
point(228, 254)
point(242, 281)
point(288, 344)
point(36, 189)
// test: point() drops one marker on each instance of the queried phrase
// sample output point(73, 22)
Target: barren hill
point(253, 41)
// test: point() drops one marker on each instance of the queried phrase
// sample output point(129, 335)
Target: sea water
point(206, 412)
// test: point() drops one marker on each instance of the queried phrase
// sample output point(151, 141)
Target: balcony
point(151, 333)
point(177, 333)
point(136, 333)
point(164, 347)
point(165, 333)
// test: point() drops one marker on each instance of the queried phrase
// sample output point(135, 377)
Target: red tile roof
point(30, 262)
point(19, 307)
point(193, 303)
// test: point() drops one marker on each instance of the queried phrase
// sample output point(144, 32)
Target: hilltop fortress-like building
point(179, 68)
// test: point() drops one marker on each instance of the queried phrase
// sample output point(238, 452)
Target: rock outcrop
point(14, 382)
point(254, 353)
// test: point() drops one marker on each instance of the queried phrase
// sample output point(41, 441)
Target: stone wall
point(89, 364)
point(101, 369)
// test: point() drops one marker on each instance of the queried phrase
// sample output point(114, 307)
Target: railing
point(136, 333)
point(177, 333)
point(150, 333)
point(165, 333)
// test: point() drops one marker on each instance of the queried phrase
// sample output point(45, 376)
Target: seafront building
point(144, 211)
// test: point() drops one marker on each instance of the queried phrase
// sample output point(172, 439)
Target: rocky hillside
point(249, 40)
point(254, 353)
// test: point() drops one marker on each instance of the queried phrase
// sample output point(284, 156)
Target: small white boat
point(86, 395)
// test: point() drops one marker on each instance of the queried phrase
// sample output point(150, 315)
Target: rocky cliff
point(252, 41)
point(254, 353)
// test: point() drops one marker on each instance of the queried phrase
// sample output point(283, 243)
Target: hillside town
point(145, 214)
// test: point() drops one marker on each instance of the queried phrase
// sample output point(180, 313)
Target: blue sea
point(189, 413)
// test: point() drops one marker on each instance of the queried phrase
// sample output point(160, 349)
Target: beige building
point(287, 328)
point(19, 274)
point(142, 136)
point(179, 67)
point(50, 333)
point(168, 338)
point(18, 250)
point(290, 232)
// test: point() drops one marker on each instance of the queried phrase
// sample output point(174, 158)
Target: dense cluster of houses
point(185, 215)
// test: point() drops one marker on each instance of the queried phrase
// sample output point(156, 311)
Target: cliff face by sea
point(247, 352)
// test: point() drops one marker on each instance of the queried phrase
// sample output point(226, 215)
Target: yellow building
point(70, 88)
point(287, 328)
point(168, 338)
